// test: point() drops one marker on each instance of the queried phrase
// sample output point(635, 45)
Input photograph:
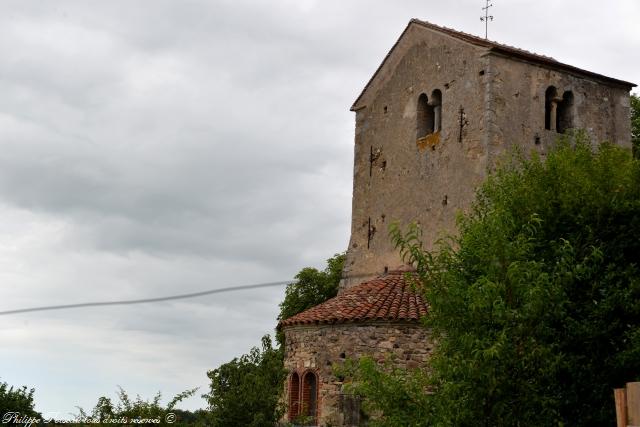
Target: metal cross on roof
point(486, 18)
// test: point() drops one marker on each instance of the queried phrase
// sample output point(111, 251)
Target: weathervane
point(486, 18)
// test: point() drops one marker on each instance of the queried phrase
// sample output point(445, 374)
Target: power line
point(144, 300)
point(160, 299)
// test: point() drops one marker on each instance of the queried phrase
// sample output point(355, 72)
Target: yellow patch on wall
point(429, 141)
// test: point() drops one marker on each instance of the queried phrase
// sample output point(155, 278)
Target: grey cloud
point(158, 147)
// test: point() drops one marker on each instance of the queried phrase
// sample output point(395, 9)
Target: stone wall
point(317, 348)
point(517, 106)
point(409, 180)
point(489, 103)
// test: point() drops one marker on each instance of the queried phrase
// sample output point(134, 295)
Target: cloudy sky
point(149, 148)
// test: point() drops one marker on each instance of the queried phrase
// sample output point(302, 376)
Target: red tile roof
point(498, 48)
point(390, 297)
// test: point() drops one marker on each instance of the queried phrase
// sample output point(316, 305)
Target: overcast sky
point(149, 148)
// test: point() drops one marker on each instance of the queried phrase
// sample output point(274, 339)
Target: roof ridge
point(477, 39)
point(495, 47)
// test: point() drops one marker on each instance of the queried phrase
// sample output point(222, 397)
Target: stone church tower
point(437, 114)
point(430, 125)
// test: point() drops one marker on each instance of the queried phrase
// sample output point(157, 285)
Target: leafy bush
point(132, 409)
point(17, 399)
point(246, 390)
point(535, 306)
point(401, 395)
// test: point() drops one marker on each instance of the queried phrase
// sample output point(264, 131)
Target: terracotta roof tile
point(389, 297)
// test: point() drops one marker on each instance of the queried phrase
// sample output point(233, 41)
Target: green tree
point(312, 287)
point(246, 390)
point(17, 399)
point(535, 305)
point(635, 124)
point(104, 409)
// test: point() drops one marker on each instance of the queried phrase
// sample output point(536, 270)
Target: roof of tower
point(390, 297)
point(495, 47)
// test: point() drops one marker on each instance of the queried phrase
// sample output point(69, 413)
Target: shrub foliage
point(246, 390)
point(535, 305)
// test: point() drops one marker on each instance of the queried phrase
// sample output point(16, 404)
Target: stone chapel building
point(430, 125)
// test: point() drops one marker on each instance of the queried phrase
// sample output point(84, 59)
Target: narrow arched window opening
point(424, 117)
point(436, 104)
point(550, 108)
point(309, 395)
point(294, 396)
point(565, 112)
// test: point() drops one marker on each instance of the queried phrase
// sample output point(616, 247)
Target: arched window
point(309, 395)
point(550, 108)
point(436, 104)
point(565, 112)
point(294, 396)
point(424, 117)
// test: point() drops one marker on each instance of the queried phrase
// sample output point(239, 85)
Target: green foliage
point(17, 399)
point(401, 395)
point(104, 409)
point(197, 418)
point(535, 306)
point(312, 287)
point(246, 390)
point(138, 409)
point(635, 124)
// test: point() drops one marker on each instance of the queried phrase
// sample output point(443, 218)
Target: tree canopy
point(17, 399)
point(128, 410)
point(535, 305)
point(246, 390)
point(312, 287)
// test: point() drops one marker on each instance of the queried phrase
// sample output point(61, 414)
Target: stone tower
point(430, 125)
point(436, 116)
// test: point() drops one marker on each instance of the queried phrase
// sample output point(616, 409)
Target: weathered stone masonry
point(431, 124)
point(317, 348)
point(379, 318)
point(489, 97)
